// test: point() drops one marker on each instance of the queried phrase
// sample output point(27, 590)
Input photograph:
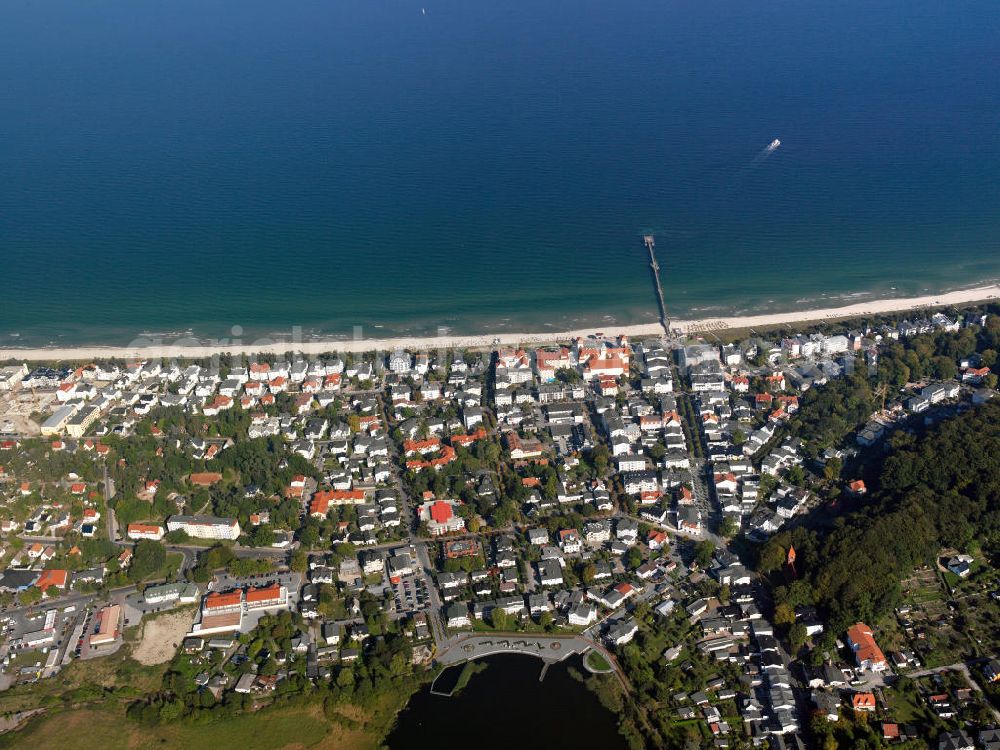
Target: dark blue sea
point(191, 165)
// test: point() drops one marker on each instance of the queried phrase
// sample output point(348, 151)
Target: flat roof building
point(57, 422)
point(107, 631)
point(205, 527)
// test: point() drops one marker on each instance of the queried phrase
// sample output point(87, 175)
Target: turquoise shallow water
point(182, 165)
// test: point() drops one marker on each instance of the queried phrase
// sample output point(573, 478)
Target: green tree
point(729, 527)
point(784, 615)
point(500, 619)
point(600, 456)
point(831, 470)
point(724, 593)
point(262, 536)
point(797, 636)
point(772, 557)
point(300, 561)
point(943, 368)
point(703, 552)
point(148, 558)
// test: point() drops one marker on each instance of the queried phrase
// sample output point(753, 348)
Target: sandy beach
point(192, 350)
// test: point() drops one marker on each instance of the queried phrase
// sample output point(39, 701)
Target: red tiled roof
point(205, 478)
point(446, 457)
point(55, 577)
point(417, 446)
point(864, 644)
point(322, 499)
point(228, 599)
point(479, 434)
point(863, 700)
point(441, 511)
point(264, 594)
point(143, 528)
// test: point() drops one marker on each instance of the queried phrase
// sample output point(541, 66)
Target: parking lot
point(410, 594)
point(18, 625)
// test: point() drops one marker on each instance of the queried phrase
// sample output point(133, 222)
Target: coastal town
point(647, 507)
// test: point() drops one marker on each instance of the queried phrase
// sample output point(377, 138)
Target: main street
point(109, 512)
point(409, 521)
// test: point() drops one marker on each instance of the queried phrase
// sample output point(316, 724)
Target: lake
point(506, 706)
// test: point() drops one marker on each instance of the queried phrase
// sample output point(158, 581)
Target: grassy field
point(101, 730)
point(279, 729)
point(118, 670)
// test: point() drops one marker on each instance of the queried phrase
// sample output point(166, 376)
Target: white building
point(145, 531)
point(205, 527)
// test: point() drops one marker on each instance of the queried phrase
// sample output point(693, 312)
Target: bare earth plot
point(161, 636)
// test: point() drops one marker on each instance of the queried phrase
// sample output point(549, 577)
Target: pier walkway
point(655, 268)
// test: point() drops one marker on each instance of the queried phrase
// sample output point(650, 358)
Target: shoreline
point(476, 341)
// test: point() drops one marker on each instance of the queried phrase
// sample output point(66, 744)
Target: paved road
point(407, 515)
point(434, 600)
point(109, 512)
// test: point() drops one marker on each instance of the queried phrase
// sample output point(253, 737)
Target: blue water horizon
point(185, 167)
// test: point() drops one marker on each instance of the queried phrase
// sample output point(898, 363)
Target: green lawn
point(597, 662)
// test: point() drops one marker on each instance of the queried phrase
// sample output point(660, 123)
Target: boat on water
point(773, 144)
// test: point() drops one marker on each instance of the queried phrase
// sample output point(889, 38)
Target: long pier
point(655, 268)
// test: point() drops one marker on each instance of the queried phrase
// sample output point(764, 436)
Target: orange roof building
point(322, 500)
point(205, 478)
point(421, 446)
point(866, 652)
point(479, 434)
point(441, 511)
point(266, 596)
point(226, 600)
point(145, 531)
point(55, 577)
point(447, 456)
point(863, 701)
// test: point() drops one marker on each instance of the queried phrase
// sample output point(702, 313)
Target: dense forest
point(938, 489)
